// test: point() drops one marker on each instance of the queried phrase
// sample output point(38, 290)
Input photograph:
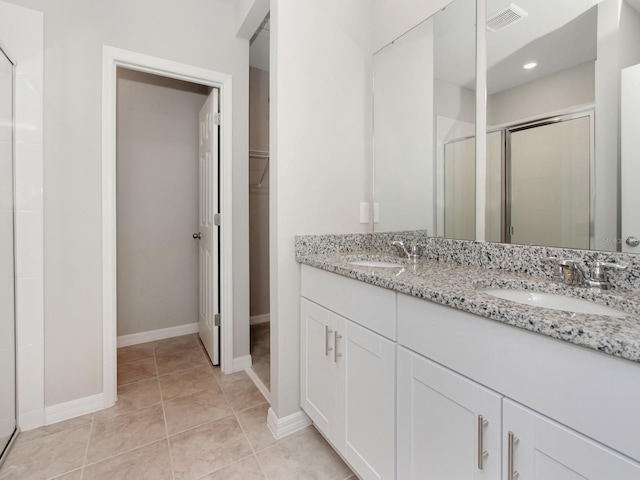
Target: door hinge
point(217, 219)
point(216, 320)
point(217, 118)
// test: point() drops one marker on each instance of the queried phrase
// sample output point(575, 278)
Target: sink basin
point(375, 264)
point(553, 301)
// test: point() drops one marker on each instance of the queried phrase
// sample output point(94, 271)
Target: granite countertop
point(458, 286)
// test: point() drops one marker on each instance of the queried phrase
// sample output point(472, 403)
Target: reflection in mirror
point(553, 115)
point(424, 97)
point(7, 309)
point(582, 80)
point(454, 113)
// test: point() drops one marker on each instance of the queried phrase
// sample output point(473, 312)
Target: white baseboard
point(281, 427)
point(241, 363)
point(160, 334)
point(261, 386)
point(31, 420)
point(74, 408)
point(257, 319)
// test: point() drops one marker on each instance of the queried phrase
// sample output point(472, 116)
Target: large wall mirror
point(562, 82)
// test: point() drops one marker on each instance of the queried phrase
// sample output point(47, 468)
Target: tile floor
point(261, 352)
point(177, 418)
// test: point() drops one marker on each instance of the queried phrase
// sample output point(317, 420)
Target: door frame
point(112, 58)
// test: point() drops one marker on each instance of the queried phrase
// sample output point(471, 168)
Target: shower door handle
point(197, 236)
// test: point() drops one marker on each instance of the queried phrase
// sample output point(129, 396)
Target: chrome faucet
point(574, 274)
point(412, 255)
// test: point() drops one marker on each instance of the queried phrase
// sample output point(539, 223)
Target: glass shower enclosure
point(8, 429)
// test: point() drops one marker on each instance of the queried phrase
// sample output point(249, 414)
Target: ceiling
point(556, 34)
point(259, 46)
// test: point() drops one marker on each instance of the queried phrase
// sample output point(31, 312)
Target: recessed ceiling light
point(529, 66)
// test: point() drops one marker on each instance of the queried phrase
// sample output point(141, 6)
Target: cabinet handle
point(327, 333)
point(481, 452)
point(335, 345)
point(512, 441)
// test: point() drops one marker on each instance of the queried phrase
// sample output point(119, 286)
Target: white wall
point(392, 18)
point(199, 33)
point(21, 32)
point(157, 201)
point(321, 150)
point(569, 88)
point(403, 124)
point(259, 196)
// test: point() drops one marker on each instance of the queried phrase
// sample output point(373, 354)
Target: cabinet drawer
point(370, 306)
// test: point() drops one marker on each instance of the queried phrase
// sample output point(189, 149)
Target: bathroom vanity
point(414, 372)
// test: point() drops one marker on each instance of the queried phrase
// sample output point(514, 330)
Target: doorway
point(259, 162)
point(114, 59)
point(157, 181)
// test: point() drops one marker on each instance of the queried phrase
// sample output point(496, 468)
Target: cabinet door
point(369, 370)
point(448, 427)
point(545, 450)
point(319, 379)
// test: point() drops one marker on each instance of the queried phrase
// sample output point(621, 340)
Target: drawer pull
point(482, 454)
point(335, 346)
point(512, 442)
point(327, 334)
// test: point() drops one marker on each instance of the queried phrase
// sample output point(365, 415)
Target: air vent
point(505, 17)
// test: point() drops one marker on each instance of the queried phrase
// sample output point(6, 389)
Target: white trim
point(159, 334)
point(258, 319)
point(112, 59)
point(240, 364)
point(259, 384)
point(281, 427)
point(74, 408)
point(31, 420)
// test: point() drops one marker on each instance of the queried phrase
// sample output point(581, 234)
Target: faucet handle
point(556, 261)
point(617, 266)
point(598, 273)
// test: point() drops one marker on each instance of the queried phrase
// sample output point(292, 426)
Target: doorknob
point(632, 241)
point(197, 236)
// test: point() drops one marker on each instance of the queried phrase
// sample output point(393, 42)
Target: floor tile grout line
point(86, 449)
point(184, 395)
point(111, 457)
point(261, 467)
point(166, 431)
point(250, 444)
point(224, 466)
point(198, 426)
point(164, 416)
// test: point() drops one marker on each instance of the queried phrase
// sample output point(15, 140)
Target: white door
point(319, 367)
point(540, 449)
point(449, 428)
point(630, 159)
point(208, 257)
point(368, 371)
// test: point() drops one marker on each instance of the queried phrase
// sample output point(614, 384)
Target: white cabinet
point(369, 402)
point(536, 448)
point(441, 434)
point(319, 367)
point(458, 397)
point(576, 427)
point(449, 428)
point(348, 389)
